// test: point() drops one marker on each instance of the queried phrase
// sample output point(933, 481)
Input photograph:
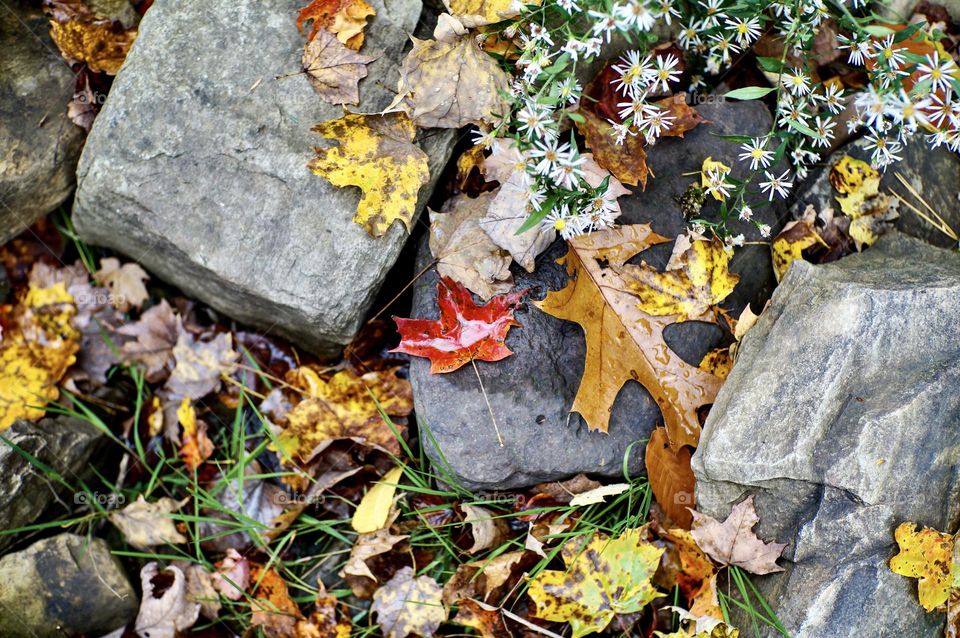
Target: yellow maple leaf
point(697, 278)
point(376, 153)
point(345, 406)
point(605, 578)
point(623, 342)
point(927, 555)
point(788, 246)
point(36, 355)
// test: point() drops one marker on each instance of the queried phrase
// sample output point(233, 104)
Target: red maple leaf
point(464, 331)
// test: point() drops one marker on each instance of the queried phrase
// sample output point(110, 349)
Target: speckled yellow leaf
point(697, 278)
point(788, 246)
point(604, 579)
point(476, 13)
point(343, 407)
point(35, 356)
point(374, 508)
point(376, 153)
point(869, 210)
point(101, 44)
point(927, 555)
point(449, 84)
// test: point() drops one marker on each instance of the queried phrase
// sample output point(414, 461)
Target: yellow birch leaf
point(376, 153)
point(927, 555)
point(606, 578)
point(374, 508)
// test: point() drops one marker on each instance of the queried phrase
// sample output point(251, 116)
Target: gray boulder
point(39, 145)
point(934, 173)
point(531, 391)
point(197, 167)
point(842, 416)
point(63, 586)
point(65, 445)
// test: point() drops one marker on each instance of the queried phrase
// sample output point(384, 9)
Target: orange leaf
point(627, 162)
point(345, 18)
point(686, 117)
point(671, 478)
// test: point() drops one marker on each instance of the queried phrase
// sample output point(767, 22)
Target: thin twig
point(487, 399)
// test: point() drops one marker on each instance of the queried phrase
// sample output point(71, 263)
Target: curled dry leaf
point(156, 332)
point(273, 609)
point(330, 619)
point(686, 117)
point(100, 43)
point(696, 279)
point(599, 494)
point(451, 83)
point(671, 478)
point(346, 19)
point(605, 578)
point(334, 70)
point(347, 406)
point(164, 609)
point(145, 525)
point(200, 589)
point(125, 283)
point(484, 619)
point(487, 530)
point(367, 547)
point(376, 153)
point(564, 491)
point(406, 605)
point(232, 576)
point(464, 252)
point(464, 332)
point(37, 352)
point(733, 542)
point(623, 342)
point(927, 555)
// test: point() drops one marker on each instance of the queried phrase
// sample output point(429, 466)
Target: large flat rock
point(39, 145)
point(531, 392)
point(197, 167)
point(842, 416)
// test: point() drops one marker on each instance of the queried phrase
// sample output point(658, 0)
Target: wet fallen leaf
point(623, 342)
point(476, 13)
point(717, 362)
point(464, 252)
point(733, 543)
point(346, 406)
point(373, 512)
point(599, 494)
point(671, 478)
point(164, 608)
point(605, 578)
point(156, 332)
point(627, 162)
point(376, 153)
point(486, 529)
point(871, 212)
point(696, 279)
point(927, 555)
point(274, 612)
point(367, 547)
point(789, 244)
point(406, 605)
point(100, 43)
point(195, 446)
point(346, 19)
point(37, 353)
point(125, 283)
point(334, 70)
point(685, 117)
point(451, 83)
point(145, 525)
point(199, 365)
point(464, 332)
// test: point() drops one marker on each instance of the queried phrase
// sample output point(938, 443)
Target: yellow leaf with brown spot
point(376, 153)
point(477, 13)
point(344, 407)
point(485, 619)
point(789, 244)
point(627, 162)
point(871, 212)
point(101, 44)
point(37, 353)
point(718, 363)
point(452, 83)
point(697, 278)
point(927, 555)
point(603, 579)
point(623, 342)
